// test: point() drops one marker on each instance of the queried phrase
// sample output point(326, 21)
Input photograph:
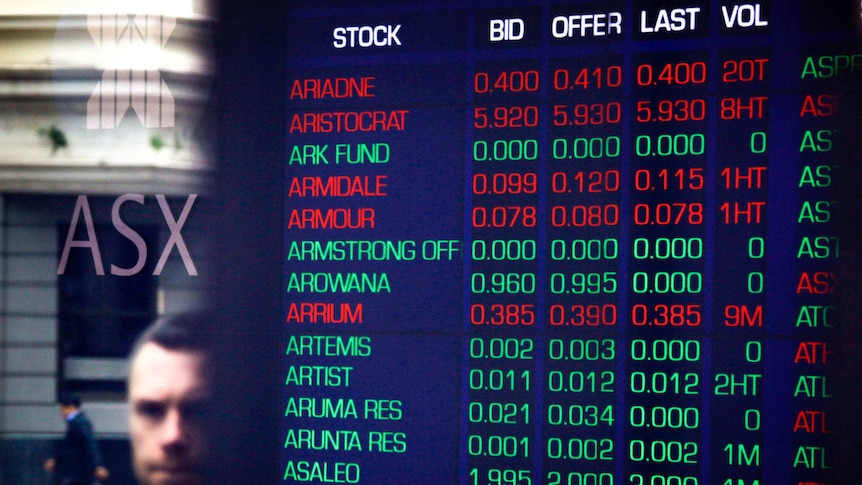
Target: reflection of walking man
point(77, 459)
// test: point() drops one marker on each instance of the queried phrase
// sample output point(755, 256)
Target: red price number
point(662, 315)
point(587, 114)
point(671, 110)
point(585, 215)
point(690, 178)
point(508, 216)
point(593, 182)
point(505, 183)
point(586, 78)
point(506, 82)
point(499, 314)
point(583, 315)
point(668, 213)
point(506, 117)
point(677, 73)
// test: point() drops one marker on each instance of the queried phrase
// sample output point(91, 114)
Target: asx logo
point(131, 48)
point(91, 243)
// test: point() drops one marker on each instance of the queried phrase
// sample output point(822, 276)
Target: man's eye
point(150, 410)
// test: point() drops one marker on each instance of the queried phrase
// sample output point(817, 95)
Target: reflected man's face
point(169, 398)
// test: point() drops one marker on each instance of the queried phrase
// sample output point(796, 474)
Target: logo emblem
point(131, 47)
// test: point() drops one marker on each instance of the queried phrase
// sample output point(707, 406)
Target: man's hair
point(186, 331)
point(67, 399)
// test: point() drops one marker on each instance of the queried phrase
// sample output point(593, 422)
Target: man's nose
point(173, 432)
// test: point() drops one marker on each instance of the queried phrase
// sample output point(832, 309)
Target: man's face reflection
point(169, 399)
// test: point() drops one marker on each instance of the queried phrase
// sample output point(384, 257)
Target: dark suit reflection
point(77, 455)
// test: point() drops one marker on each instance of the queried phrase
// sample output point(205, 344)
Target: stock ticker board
point(570, 243)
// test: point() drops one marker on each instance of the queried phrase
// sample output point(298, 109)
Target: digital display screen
point(570, 243)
